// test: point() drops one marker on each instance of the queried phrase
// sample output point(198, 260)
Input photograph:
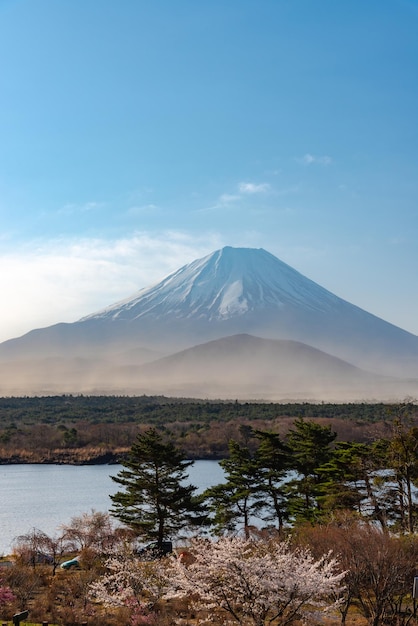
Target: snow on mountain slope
point(227, 283)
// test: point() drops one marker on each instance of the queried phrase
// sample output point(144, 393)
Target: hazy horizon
point(238, 367)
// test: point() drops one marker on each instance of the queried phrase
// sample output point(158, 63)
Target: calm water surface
point(46, 496)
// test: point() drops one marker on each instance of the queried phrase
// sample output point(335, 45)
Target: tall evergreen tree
point(348, 480)
point(273, 462)
point(155, 502)
point(239, 498)
point(310, 449)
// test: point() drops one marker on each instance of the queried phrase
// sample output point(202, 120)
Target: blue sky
point(136, 136)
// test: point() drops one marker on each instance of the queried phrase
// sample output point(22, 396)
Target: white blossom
point(231, 581)
point(254, 582)
point(129, 580)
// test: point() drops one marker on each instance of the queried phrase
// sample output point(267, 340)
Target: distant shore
point(64, 457)
point(95, 430)
point(79, 458)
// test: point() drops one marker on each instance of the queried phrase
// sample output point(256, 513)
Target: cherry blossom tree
point(231, 581)
point(131, 583)
point(38, 548)
point(92, 530)
point(242, 581)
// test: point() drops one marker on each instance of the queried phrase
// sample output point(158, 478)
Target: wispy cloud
point(312, 159)
point(228, 198)
point(251, 188)
point(62, 280)
point(243, 189)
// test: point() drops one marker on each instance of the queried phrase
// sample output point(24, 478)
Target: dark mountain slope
point(244, 366)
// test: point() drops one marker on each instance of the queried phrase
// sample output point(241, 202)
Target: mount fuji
point(233, 292)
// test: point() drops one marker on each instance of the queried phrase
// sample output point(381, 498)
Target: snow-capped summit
point(228, 283)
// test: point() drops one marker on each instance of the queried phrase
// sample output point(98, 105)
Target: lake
point(46, 496)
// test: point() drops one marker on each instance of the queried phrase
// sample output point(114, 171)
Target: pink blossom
point(6, 596)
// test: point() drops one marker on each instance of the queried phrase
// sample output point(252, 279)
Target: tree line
point(160, 410)
point(101, 429)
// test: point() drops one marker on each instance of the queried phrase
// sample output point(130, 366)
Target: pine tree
point(273, 463)
point(347, 479)
point(239, 498)
point(310, 449)
point(155, 502)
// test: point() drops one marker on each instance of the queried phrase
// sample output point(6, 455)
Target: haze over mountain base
point(237, 324)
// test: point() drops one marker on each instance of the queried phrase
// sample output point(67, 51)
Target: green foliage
point(311, 477)
point(343, 476)
point(155, 502)
point(310, 448)
point(273, 462)
point(239, 497)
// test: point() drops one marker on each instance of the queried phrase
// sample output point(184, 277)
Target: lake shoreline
point(107, 458)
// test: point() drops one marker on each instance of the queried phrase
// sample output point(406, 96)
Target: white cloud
point(310, 159)
point(227, 198)
point(250, 188)
point(63, 280)
point(244, 189)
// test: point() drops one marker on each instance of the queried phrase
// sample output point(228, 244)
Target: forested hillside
point(99, 429)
